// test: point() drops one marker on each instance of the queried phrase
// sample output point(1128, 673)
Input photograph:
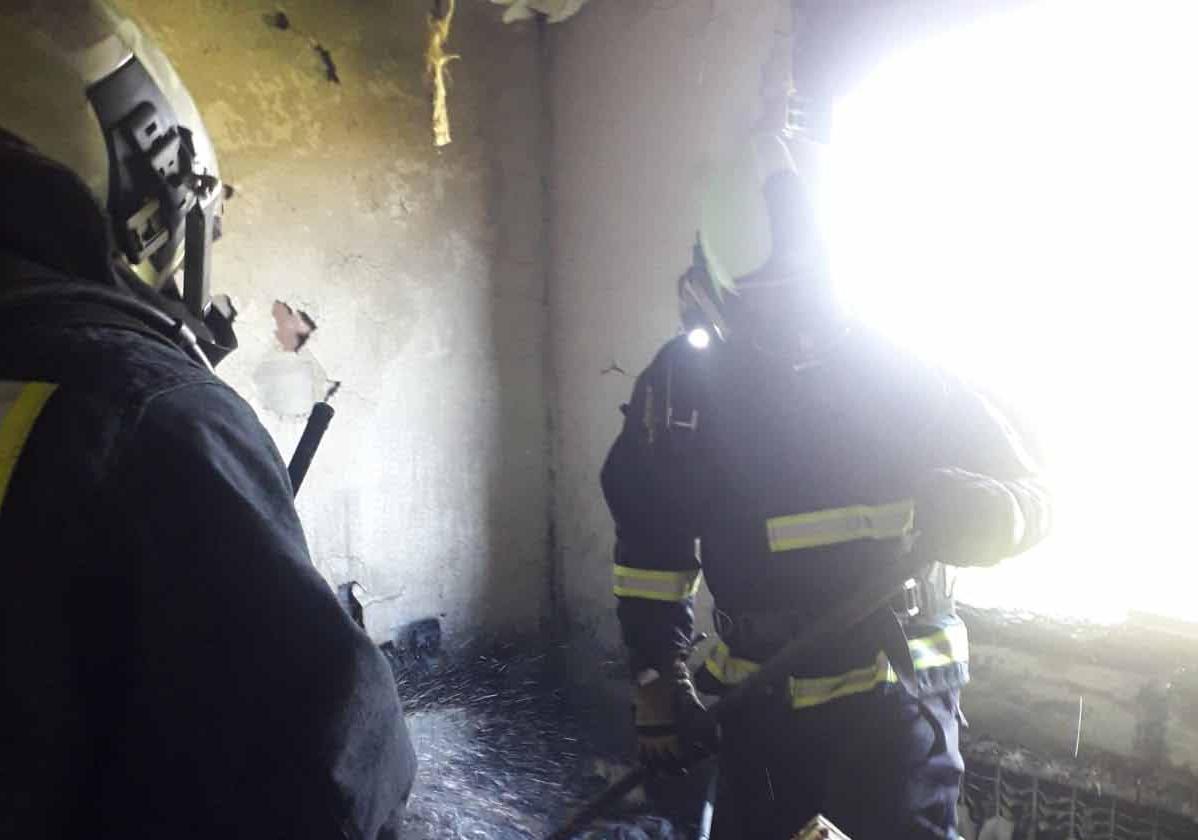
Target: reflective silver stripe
point(630, 582)
point(20, 405)
point(841, 525)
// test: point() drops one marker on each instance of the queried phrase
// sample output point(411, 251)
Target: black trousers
point(881, 766)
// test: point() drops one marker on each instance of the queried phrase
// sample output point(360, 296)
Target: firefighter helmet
point(758, 238)
point(85, 90)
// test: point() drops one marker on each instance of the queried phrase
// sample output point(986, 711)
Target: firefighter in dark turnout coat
point(786, 455)
point(173, 664)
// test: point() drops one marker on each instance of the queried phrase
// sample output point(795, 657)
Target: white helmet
point(760, 245)
point(743, 223)
point(86, 90)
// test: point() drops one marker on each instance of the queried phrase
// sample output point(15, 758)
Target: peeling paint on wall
point(326, 58)
point(293, 327)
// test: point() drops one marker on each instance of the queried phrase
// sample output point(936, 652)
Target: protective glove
point(673, 727)
point(966, 519)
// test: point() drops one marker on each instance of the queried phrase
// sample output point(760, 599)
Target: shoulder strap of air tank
point(31, 295)
point(686, 387)
point(36, 298)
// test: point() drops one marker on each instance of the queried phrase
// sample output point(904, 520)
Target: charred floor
point(506, 753)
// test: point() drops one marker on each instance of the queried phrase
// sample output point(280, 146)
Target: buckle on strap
point(928, 597)
point(908, 603)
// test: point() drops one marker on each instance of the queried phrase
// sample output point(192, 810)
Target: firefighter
point(173, 664)
point(788, 454)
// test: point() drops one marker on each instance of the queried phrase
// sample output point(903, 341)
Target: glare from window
point(1016, 201)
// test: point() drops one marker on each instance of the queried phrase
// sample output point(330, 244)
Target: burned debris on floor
point(502, 754)
point(1052, 799)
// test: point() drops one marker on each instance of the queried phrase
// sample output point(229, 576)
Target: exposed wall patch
point(290, 378)
point(293, 327)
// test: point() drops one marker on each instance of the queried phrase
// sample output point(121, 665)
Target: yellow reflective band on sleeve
point(949, 646)
point(727, 668)
point(17, 416)
point(655, 585)
point(946, 647)
point(841, 525)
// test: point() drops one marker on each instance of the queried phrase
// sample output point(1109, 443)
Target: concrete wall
point(645, 98)
point(423, 271)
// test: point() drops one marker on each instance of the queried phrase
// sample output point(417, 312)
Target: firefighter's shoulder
point(900, 366)
point(678, 358)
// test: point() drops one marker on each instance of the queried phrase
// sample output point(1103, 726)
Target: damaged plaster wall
point(646, 98)
point(423, 271)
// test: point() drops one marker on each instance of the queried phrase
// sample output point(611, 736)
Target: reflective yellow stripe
point(15, 425)
point(727, 668)
point(655, 585)
point(841, 525)
point(944, 647)
point(812, 691)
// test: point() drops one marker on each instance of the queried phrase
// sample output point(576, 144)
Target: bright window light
point(1016, 201)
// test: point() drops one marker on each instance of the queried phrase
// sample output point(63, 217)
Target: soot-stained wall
point(424, 274)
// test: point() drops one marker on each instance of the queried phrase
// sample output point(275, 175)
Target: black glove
point(673, 727)
point(965, 519)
